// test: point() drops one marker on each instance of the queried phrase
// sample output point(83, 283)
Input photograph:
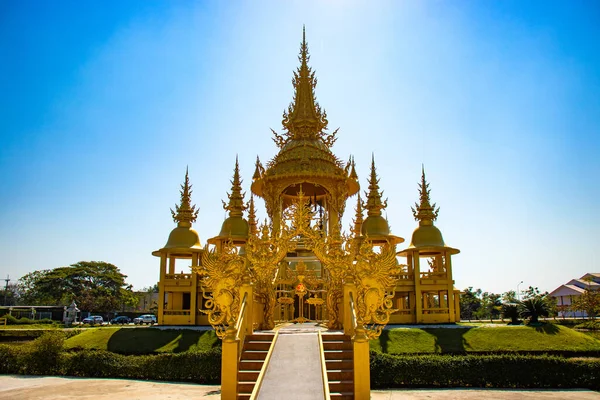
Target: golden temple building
point(299, 265)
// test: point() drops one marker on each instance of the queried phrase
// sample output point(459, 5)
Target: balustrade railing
point(178, 276)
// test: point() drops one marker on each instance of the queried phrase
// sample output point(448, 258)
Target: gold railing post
point(362, 365)
point(229, 364)
point(349, 288)
point(248, 289)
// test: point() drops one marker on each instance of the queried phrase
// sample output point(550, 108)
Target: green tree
point(490, 306)
point(509, 297)
point(588, 301)
point(534, 305)
point(470, 303)
point(93, 285)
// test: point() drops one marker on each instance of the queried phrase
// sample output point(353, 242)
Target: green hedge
point(46, 357)
point(498, 371)
point(10, 320)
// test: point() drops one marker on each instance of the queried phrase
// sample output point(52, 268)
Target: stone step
point(343, 386)
point(257, 345)
point(246, 387)
point(340, 374)
point(251, 365)
point(261, 337)
point(337, 345)
point(339, 364)
point(338, 354)
point(248, 376)
point(341, 395)
point(254, 355)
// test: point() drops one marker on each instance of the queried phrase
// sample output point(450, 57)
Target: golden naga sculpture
point(264, 253)
point(375, 275)
point(222, 274)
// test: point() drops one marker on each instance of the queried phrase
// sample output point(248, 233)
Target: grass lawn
point(547, 337)
point(143, 340)
point(30, 326)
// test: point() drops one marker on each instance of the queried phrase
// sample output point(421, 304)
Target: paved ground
point(52, 388)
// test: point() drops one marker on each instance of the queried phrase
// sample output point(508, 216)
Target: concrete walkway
point(53, 388)
point(294, 372)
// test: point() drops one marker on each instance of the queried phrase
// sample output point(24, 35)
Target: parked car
point(121, 320)
point(145, 319)
point(93, 319)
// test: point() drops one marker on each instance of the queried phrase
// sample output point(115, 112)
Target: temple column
point(194, 289)
point(161, 287)
point(418, 294)
point(450, 286)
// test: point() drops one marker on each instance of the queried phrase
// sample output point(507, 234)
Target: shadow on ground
point(148, 341)
point(449, 340)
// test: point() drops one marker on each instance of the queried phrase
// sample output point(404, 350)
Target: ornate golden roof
point(305, 146)
point(235, 226)
point(183, 239)
point(375, 224)
point(427, 238)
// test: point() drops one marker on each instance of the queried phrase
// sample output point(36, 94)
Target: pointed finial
point(303, 33)
point(425, 212)
point(236, 198)
point(358, 219)
point(353, 173)
point(185, 213)
point(258, 170)
point(304, 118)
point(252, 224)
point(374, 205)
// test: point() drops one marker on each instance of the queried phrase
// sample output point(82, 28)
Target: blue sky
point(105, 103)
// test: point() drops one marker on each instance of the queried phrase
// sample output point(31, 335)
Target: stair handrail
point(263, 370)
point(324, 369)
point(353, 318)
point(240, 325)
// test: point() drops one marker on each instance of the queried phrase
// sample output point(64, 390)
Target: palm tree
point(511, 310)
point(533, 308)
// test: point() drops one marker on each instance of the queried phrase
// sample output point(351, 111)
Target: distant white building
point(565, 294)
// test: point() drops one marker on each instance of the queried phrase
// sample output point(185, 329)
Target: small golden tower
point(435, 299)
point(375, 227)
point(235, 228)
point(177, 293)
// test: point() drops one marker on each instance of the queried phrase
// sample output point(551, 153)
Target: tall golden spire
point(252, 224)
point(304, 118)
point(425, 213)
point(236, 198)
point(374, 205)
point(258, 170)
point(353, 173)
point(185, 213)
point(358, 219)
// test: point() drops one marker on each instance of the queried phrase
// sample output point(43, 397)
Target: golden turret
point(375, 226)
point(183, 236)
point(235, 226)
point(427, 235)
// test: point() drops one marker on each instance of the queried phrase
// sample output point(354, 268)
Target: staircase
point(254, 352)
point(339, 361)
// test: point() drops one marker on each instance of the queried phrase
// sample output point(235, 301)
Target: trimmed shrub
point(11, 320)
point(499, 371)
point(45, 353)
point(9, 359)
point(591, 325)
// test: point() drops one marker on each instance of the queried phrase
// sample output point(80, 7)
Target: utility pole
point(6, 288)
